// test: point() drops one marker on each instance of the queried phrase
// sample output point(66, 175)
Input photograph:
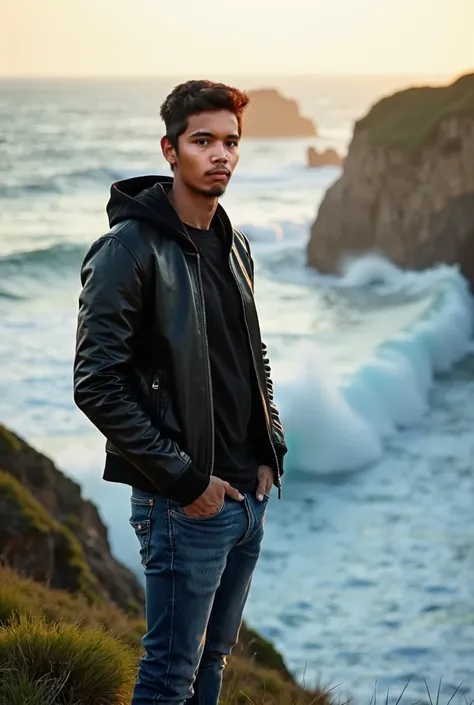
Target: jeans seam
point(173, 591)
point(251, 522)
point(258, 526)
point(148, 546)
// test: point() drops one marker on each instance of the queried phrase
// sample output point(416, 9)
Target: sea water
point(367, 570)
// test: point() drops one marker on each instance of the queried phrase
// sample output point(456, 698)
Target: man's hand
point(212, 498)
point(265, 481)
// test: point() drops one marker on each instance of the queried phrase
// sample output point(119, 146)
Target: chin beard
point(215, 192)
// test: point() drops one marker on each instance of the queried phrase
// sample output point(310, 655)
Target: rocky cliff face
point(407, 190)
point(270, 114)
point(51, 534)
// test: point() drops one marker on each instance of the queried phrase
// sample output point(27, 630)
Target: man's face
point(208, 152)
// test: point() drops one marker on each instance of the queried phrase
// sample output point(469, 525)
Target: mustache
point(218, 170)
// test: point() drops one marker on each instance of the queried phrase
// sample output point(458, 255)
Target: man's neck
point(193, 209)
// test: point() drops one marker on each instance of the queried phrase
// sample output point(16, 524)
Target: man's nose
point(220, 154)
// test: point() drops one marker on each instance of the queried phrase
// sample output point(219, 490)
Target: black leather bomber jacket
point(141, 369)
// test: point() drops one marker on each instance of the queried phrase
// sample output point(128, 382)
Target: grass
point(57, 649)
point(24, 507)
point(17, 688)
point(253, 645)
point(8, 439)
point(408, 119)
point(23, 596)
point(68, 663)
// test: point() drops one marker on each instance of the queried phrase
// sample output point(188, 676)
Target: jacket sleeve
point(278, 433)
point(109, 320)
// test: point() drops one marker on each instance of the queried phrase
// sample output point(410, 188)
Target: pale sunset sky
point(170, 37)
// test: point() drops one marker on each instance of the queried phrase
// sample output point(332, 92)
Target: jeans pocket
point(178, 511)
point(140, 521)
point(143, 534)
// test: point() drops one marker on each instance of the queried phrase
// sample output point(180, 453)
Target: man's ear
point(169, 152)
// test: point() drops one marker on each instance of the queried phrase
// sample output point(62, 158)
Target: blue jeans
point(198, 574)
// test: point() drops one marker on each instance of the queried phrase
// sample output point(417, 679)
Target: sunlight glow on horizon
point(115, 38)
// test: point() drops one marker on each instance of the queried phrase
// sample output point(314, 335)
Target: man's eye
point(202, 142)
point(232, 143)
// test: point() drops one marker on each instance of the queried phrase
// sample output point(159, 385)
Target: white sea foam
point(338, 423)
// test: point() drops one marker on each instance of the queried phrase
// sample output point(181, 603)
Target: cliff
point(71, 616)
point(270, 114)
point(407, 189)
point(51, 534)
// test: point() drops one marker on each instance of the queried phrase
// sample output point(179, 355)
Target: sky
point(244, 37)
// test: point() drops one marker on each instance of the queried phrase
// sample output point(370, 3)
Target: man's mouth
point(219, 173)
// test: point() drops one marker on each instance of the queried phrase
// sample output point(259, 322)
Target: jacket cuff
point(280, 453)
point(189, 486)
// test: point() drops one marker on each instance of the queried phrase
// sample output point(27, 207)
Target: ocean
point(367, 572)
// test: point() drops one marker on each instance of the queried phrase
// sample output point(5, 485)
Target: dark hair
point(195, 97)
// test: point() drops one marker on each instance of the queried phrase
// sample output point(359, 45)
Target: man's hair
point(195, 97)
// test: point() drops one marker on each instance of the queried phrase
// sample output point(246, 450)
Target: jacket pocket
point(154, 396)
point(163, 404)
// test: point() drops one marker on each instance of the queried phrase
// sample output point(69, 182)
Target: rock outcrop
point(270, 114)
point(327, 158)
point(48, 532)
point(407, 190)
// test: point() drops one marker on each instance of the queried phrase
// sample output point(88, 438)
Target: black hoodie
point(142, 326)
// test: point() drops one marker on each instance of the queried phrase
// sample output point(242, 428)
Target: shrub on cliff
point(406, 118)
point(22, 596)
point(41, 627)
point(85, 666)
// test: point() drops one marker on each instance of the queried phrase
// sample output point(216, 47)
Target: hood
point(145, 198)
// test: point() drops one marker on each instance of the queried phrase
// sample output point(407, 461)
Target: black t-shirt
point(231, 363)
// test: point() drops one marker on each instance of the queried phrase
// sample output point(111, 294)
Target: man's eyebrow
point(205, 133)
point(201, 133)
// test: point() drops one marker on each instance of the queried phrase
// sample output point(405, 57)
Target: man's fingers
point(232, 492)
point(265, 481)
point(261, 489)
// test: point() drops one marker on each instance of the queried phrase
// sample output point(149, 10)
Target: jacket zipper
point(206, 352)
point(278, 479)
point(156, 388)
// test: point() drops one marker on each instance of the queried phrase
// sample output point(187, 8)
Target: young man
point(171, 368)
